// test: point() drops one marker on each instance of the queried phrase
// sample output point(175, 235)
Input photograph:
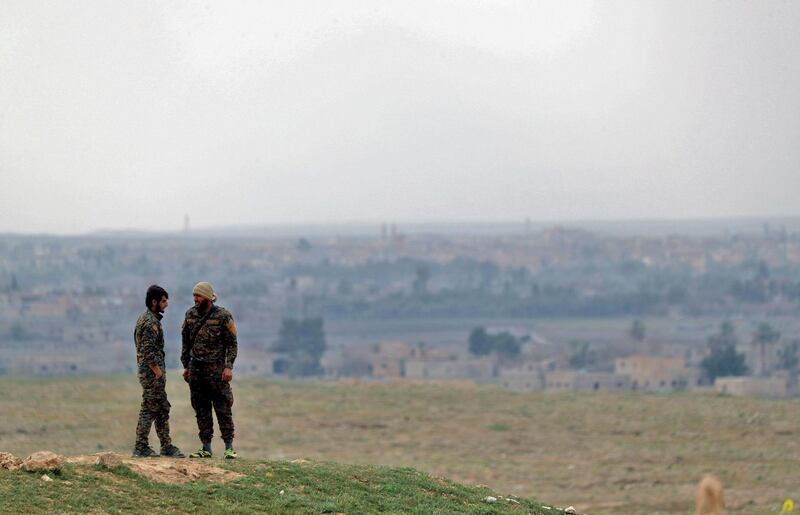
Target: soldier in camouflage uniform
point(209, 350)
point(149, 338)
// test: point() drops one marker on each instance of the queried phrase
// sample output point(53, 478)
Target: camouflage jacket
point(149, 338)
point(215, 343)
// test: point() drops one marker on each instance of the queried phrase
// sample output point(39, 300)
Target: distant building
point(383, 360)
point(768, 387)
point(573, 380)
point(383, 367)
point(388, 359)
point(349, 362)
point(529, 377)
point(51, 365)
point(479, 369)
point(259, 363)
point(658, 373)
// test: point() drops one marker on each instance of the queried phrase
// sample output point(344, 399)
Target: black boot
point(144, 452)
point(172, 452)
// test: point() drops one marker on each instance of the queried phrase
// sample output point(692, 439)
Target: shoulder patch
point(232, 326)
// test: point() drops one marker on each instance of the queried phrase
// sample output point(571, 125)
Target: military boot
point(144, 452)
point(172, 452)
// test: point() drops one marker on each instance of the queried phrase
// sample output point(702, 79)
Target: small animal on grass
point(709, 497)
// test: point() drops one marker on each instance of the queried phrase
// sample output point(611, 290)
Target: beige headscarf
point(205, 289)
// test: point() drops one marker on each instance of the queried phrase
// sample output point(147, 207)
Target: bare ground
point(167, 470)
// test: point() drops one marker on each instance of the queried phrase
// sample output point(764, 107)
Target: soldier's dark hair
point(154, 292)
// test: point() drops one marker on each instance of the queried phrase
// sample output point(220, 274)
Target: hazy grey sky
point(132, 114)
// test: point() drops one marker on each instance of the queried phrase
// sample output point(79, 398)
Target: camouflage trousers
point(155, 409)
point(208, 391)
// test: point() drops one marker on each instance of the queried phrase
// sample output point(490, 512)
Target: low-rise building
point(52, 365)
point(575, 380)
point(657, 373)
point(254, 362)
point(528, 377)
point(478, 369)
point(768, 387)
point(388, 359)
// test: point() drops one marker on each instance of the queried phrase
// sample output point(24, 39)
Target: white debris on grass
point(490, 499)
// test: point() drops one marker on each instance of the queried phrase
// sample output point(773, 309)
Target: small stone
point(109, 460)
point(490, 499)
point(46, 478)
point(42, 461)
point(9, 461)
point(571, 510)
point(280, 493)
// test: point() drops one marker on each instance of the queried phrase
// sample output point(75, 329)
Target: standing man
point(209, 350)
point(149, 338)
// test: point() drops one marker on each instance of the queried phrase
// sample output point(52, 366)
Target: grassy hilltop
point(267, 487)
point(603, 453)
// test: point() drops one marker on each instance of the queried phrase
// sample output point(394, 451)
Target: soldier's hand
point(157, 371)
point(186, 375)
point(227, 375)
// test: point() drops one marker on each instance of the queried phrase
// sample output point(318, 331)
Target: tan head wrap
point(205, 289)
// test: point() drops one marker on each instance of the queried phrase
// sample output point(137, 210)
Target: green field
point(603, 453)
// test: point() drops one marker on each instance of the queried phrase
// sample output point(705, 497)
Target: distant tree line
point(724, 359)
point(465, 288)
point(586, 285)
point(563, 301)
point(504, 344)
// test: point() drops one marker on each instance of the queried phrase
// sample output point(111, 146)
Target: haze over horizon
point(259, 113)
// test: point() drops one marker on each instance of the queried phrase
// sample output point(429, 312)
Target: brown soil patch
point(180, 471)
point(87, 459)
point(166, 470)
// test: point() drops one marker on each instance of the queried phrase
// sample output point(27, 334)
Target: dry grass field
point(604, 453)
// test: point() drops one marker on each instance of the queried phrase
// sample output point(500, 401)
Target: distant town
point(534, 309)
